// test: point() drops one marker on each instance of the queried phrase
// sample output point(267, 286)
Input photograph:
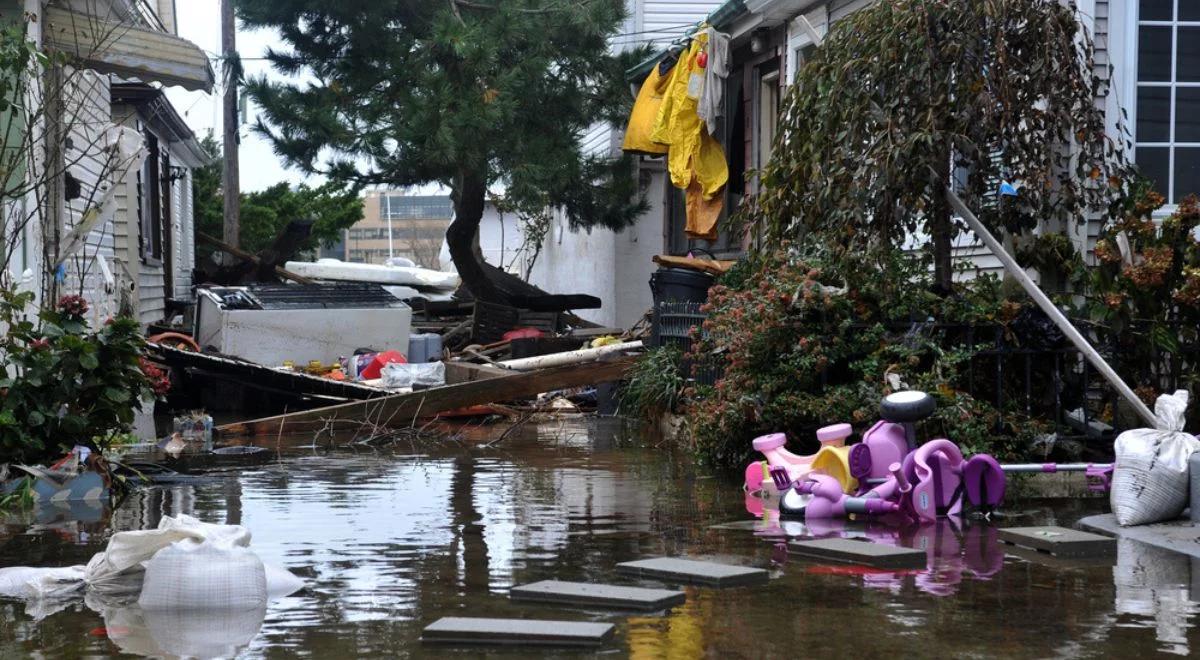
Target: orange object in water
point(375, 369)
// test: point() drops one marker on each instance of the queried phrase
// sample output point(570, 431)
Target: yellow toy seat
point(835, 462)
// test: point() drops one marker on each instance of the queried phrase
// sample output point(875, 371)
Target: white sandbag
point(40, 583)
point(204, 575)
point(119, 568)
point(430, 374)
point(1150, 480)
point(180, 633)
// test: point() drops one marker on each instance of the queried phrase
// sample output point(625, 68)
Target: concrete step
point(690, 571)
point(598, 595)
point(853, 551)
point(1060, 541)
point(472, 630)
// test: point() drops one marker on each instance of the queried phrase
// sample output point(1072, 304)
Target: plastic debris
point(1150, 481)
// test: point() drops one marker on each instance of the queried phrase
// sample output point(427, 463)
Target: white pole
point(569, 357)
point(1050, 309)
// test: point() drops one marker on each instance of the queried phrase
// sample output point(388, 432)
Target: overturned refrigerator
point(271, 324)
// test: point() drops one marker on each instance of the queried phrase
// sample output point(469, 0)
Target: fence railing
point(1027, 368)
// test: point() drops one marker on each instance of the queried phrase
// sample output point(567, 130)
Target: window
point(150, 203)
point(1167, 116)
point(768, 114)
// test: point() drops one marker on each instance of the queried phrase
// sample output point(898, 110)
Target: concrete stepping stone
point(599, 595)
point(690, 571)
point(1060, 541)
point(852, 551)
point(473, 630)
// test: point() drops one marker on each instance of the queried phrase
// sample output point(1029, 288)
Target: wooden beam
point(466, 372)
point(402, 410)
point(246, 256)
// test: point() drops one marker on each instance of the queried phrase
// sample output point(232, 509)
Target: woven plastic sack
point(207, 575)
point(430, 374)
point(1150, 480)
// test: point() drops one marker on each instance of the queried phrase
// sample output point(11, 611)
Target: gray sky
point(200, 23)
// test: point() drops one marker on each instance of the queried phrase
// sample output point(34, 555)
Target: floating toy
point(886, 473)
point(833, 459)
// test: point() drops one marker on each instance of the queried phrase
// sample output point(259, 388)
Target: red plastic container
point(374, 370)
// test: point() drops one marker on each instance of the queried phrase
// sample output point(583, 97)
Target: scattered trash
point(195, 427)
point(418, 374)
point(1150, 481)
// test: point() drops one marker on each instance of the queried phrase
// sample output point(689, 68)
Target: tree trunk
point(469, 195)
point(941, 229)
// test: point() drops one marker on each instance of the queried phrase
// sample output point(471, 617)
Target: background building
point(417, 224)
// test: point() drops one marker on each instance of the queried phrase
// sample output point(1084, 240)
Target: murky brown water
point(391, 540)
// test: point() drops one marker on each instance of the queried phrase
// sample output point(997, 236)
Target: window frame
point(1132, 84)
point(150, 211)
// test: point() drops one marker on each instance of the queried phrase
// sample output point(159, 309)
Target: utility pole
point(230, 124)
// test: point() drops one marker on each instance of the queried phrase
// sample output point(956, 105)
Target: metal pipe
point(1052, 467)
point(1050, 309)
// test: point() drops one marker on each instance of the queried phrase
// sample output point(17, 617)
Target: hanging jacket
point(692, 150)
point(645, 111)
point(710, 108)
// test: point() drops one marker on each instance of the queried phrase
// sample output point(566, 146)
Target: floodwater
point(389, 540)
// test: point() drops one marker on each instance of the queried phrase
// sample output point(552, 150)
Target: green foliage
point(463, 93)
point(67, 384)
point(1003, 89)
point(655, 385)
point(266, 213)
point(805, 343)
point(1144, 293)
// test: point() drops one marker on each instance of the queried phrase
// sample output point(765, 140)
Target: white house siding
point(87, 120)
point(185, 232)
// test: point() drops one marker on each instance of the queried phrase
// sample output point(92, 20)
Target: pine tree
point(469, 94)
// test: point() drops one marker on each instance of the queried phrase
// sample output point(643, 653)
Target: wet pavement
point(389, 540)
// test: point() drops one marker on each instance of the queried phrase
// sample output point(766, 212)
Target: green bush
point(804, 343)
point(65, 384)
point(656, 384)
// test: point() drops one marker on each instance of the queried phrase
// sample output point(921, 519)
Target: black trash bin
point(680, 285)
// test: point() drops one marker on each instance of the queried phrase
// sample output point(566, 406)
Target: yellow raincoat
point(644, 114)
point(693, 152)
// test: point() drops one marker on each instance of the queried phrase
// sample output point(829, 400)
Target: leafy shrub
point(805, 343)
point(65, 384)
point(656, 384)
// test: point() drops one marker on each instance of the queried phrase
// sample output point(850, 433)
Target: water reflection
point(390, 540)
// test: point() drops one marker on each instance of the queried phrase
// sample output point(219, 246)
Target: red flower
point(73, 306)
point(39, 344)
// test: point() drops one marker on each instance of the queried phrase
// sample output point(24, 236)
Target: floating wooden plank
point(598, 595)
point(400, 410)
point(690, 571)
point(1060, 541)
point(853, 551)
point(472, 630)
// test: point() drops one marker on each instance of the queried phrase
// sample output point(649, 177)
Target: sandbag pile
point(1150, 480)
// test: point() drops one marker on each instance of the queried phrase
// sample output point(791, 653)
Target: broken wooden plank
point(400, 410)
point(854, 551)
point(466, 372)
point(598, 595)
point(1060, 541)
point(473, 630)
point(690, 571)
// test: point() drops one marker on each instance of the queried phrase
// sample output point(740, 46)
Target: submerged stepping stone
point(851, 551)
point(472, 630)
point(691, 571)
point(1060, 541)
point(600, 595)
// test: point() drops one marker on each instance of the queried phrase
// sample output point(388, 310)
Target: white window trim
point(1125, 41)
point(798, 38)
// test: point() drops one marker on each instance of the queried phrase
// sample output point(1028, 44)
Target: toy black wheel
point(906, 406)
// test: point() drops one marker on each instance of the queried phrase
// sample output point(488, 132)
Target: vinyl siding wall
point(86, 122)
